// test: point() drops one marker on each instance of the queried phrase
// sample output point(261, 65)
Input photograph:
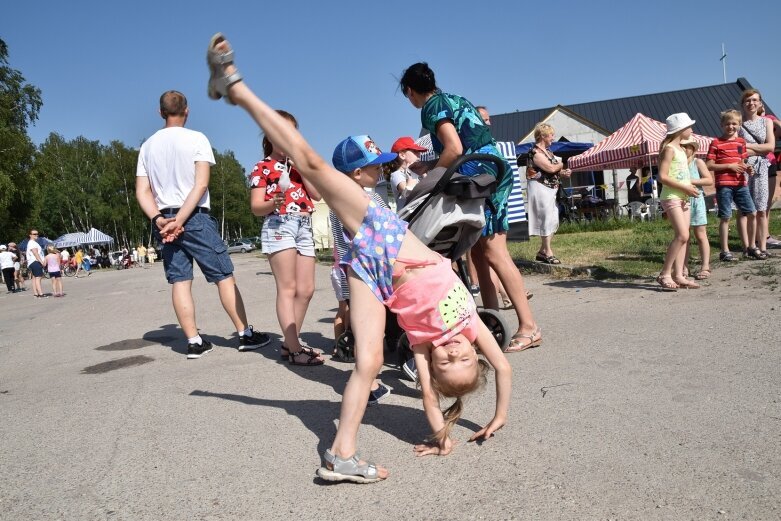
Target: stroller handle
point(443, 181)
point(452, 169)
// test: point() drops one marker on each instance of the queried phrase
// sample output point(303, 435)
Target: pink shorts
point(667, 204)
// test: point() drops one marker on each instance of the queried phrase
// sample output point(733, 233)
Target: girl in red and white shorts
point(286, 200)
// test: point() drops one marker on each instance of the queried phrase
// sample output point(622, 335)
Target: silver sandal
point(348, 469)
point(218, 81)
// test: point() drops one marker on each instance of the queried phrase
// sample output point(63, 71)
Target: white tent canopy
point(95, 236)
point(70, 239)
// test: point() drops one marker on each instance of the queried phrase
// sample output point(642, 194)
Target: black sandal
point(547, 259)
point(754, 253)
point(313, 358)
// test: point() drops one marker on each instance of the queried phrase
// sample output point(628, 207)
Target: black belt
point(174, 211)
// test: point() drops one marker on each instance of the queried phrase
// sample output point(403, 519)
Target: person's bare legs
point(680, 270)
point(762, 230)
point(283, 266)
point(750, 231)
point(37, 288)
point(484, 278)
point(724, 234)
point(368, 362)
point(231, 300)
point(494, 248)
point(743, 229)
point(305, 287)
point(184, 307)
point(294, 278)
point(677, 247)
point(701, 234)
point(342, 319)
point(545, 247)
point(470, 266)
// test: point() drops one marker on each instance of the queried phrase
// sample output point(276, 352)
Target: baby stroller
point(445, 211)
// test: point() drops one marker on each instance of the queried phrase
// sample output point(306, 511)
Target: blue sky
point(102, 65)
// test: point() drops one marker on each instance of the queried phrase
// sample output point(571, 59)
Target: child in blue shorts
point(727, 160)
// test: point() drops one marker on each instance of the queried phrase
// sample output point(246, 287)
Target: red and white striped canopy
point(634, 144)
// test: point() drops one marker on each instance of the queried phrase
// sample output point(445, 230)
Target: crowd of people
point(378, 262)
point(741, 161)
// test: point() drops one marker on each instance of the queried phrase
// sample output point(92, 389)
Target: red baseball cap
point(406, 143)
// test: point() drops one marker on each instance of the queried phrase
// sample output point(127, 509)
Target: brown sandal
point(687, 284)
point(702, 275)
point(312, 358)
point(667, 283)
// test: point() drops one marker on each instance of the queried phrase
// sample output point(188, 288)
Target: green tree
point(229, 194)
point(19, 107)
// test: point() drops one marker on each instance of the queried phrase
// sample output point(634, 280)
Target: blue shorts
point(199, 241)
point(283, 232)
point(740, 195)
point(699, 215)
point(36, 269)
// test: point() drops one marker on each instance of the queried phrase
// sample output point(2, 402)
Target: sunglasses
point(34, 233)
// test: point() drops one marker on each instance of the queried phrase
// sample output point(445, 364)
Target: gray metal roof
point(703, 104)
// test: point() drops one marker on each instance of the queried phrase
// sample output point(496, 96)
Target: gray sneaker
point(772, 242)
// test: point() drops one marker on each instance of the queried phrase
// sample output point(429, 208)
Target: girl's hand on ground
point(426, 449)
point(488, 431)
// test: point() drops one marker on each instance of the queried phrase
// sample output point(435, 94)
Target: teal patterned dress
point(475, 138)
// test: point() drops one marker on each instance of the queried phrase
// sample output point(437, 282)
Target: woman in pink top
point(444, 318)
point(53, 261)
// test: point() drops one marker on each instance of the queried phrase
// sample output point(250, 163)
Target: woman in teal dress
point(457, 129)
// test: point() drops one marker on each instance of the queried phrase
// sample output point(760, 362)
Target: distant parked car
point(242, 246)
point(254, 240)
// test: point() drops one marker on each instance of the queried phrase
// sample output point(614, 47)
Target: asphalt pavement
point(640, 404)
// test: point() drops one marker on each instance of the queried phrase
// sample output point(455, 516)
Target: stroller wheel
point(345, 348)
point(403, 349)
point(497, 325)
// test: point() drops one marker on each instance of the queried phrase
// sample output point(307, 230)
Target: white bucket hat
point(678, 122)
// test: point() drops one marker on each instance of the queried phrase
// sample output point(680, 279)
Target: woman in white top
point(544, 172)
point(403, 180)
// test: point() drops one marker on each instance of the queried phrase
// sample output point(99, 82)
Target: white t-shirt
point(168, 159)
point(6, 260)
point(32, 245)
point(398, 177)
point(65, 255)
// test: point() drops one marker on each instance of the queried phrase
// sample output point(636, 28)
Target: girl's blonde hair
point(51, 249)
point(452, 414)
point(669, 139)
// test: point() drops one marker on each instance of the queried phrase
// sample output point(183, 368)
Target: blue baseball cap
point(358, 152)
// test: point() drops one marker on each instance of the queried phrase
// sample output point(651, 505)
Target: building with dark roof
point(703, 104)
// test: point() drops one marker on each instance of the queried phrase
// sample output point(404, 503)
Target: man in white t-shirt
point(172, 188)
point(35, 262)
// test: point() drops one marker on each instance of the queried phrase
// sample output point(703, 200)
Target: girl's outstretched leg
point(345, 197)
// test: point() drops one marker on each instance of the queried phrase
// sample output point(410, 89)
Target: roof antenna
point(723, 61)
